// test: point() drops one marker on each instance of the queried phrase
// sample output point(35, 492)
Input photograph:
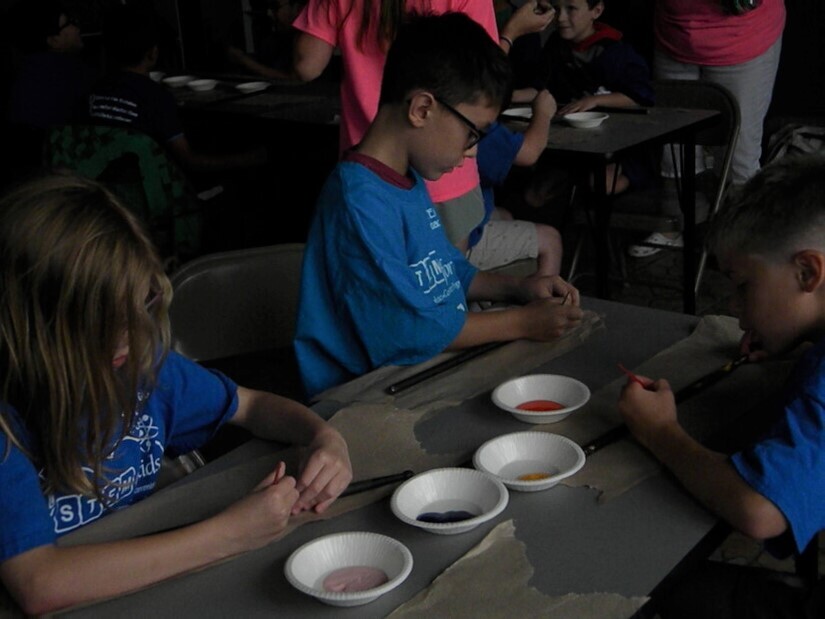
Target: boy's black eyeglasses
point(476, 134)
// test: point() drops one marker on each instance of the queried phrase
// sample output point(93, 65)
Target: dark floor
point(655, 281)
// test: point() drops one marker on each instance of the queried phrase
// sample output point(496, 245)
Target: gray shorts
point(504, 242)
point(461, 215)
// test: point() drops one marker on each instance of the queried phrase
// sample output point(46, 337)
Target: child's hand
point(528, 18)
point(547, 319)
point(546, 286)
point(647, 410)
point(582, 105)
point(325, 472)
point(262, 515)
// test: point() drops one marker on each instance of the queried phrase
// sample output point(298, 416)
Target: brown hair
point(76, 269)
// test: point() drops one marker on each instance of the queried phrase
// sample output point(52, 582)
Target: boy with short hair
point(585, 64)
point(770, 239)
point(381, 284)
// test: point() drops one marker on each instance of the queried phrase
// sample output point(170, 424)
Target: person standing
point(710, 40)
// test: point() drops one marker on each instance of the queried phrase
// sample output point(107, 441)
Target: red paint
point(540, 406)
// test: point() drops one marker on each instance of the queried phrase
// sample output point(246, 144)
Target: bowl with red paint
point(529, 461)
point(350, 568)
point(541, 398)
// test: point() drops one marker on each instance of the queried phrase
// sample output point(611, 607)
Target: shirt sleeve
point(194, 400)
point(321, 19)
point(25, 522)
point(787, 466)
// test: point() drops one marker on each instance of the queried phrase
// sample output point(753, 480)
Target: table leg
point(602, 231)
point(688, 203)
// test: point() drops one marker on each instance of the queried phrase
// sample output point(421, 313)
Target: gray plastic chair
point(236, 302)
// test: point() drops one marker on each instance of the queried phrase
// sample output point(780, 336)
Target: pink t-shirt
point(700, 32)
point(339, 24)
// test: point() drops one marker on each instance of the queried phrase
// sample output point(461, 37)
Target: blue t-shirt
point(130, 99)
point(186, 407)
point(380, 285)
point(495, 156)
point(787, 466)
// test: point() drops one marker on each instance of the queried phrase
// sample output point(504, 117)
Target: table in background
point(626, 546)
point(623, 130)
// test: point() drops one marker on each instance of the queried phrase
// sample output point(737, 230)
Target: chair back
point(235, 302)
point(722, 133)
point(138, 170)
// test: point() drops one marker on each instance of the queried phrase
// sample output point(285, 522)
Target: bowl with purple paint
point(350, 568)
point(449, 500)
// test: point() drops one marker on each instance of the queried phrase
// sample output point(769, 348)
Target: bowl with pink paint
point(541, 398)
point(350, 568)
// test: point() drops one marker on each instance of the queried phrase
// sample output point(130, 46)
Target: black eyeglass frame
point(476, 134)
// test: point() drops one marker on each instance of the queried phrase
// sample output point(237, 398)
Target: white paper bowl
point(585, 120)
point(519, 112)
point(449, 489)
point(310, 564)
point(202, 85)
point(156, 76)
point(176, 81)
point(527, 453)
point(252, 86)
point(565, 390)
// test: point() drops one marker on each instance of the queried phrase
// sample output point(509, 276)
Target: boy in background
point(381, 283)
point(770, 239)
point(499, 239)
point(586, 64)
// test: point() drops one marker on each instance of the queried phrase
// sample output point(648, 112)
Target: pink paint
point(355, 578)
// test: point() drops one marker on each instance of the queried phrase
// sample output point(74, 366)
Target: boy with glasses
point(381, 283)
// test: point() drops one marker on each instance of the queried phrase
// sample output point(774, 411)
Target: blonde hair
point(76, 268)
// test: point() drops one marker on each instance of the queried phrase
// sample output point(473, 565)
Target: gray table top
point(626, 546)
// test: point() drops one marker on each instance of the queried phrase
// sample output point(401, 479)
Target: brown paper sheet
point(473, 587)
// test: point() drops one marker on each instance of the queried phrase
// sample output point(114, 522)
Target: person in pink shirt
point(362, 31)
point(701, 39)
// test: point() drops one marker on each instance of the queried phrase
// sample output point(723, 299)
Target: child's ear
point(598, 10)
point(421, 104)
point(810, 272)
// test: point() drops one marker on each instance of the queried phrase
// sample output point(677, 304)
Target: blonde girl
point(91, 398)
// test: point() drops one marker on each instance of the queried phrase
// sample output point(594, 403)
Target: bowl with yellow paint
point(529, 461)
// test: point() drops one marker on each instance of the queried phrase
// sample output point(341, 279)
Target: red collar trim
point(381, 169)
point(603, 33)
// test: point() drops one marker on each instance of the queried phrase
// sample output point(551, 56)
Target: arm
point(706, 474)
point(47, 578)
point(552, 307)
point(325, 468)
point(528, 18)
point(614, 99)
point(195, 161)
point(310, 57)
point(535, 137)
point(243, 59)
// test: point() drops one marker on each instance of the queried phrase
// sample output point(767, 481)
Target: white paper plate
point(567, 391)
point(511, 456)
point(585, 120)
point(252, 86)
point(310, 564)
point(449, 489)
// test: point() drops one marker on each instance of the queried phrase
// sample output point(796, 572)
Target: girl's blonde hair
point(76, 273)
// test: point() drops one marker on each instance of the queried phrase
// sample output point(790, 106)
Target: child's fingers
point(273, 477)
